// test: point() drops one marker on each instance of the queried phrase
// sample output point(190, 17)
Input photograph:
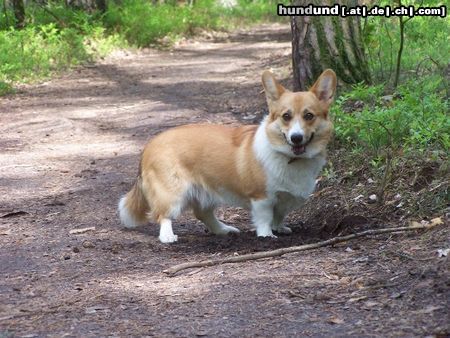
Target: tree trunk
point(320, 42)
point(400, 51)
point(88, 5)
point(101, 5)
point(5, 13)
point(19, 13)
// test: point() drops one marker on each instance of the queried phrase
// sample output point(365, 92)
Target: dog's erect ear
point(271, 86)
point(325, 86)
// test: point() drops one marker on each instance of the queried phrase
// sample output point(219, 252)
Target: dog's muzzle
point(299, 149)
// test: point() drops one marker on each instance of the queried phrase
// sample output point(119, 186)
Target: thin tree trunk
point(402, 23)
point(101, 5)
point(19, 13)
point(400, 51)
point(327, 42)
point(5, 9)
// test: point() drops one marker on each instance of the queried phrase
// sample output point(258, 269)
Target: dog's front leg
point(262, 214)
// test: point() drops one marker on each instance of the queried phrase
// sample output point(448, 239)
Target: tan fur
point(297, 103)
point(317, 101)
point(136, 203)
point(211, 156)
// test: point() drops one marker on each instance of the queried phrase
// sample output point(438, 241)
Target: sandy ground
point(69, 148)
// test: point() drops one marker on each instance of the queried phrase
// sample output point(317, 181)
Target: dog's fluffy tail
point(133, 207)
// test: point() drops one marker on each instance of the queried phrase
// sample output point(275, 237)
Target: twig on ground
point(279, 252)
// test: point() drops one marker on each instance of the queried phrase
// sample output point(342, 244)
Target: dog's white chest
point(297, 178)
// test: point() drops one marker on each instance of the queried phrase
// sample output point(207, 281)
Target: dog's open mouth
point(298, 150)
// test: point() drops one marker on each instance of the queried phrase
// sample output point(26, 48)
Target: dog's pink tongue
point(298, 150)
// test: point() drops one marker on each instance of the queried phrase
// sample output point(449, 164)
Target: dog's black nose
point(297, 138)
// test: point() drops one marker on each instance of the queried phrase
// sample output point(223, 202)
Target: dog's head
point(298, 124)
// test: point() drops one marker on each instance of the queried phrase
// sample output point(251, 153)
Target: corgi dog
point(269, 168)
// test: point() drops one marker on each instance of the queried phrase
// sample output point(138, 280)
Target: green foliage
point(5, 88)
point(411, 125)
point(393, 139)
point(36, 52)
point(368, 94)
point(143, 23)
point(57, 37)
point(255, 10)
point(416, 121)
point(33, 52)
point(427, 45)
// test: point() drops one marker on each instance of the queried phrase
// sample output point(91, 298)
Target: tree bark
point(402, 23)
point(19, 13)
point(320, 42)
point(101, 5)
point(400, 51)
point(88, 5)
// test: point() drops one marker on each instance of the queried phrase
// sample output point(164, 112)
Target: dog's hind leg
point(166, 212)
point(167, 202)
point(206, 215)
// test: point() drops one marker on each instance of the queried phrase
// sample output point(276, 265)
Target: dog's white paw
point(168, 238)
point(265, 233)
point(283, 230)
point(226, 229)
point(268, 236)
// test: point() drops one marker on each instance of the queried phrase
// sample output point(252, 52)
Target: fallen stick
point(279, 252)
point(81, 231)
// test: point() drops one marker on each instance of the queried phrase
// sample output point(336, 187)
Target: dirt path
point(69, 148)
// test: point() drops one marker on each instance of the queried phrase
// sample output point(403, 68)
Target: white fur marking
point(213, 224)
point(126, 218)
point(262, 212)
point(166, 234)
point(296, 129)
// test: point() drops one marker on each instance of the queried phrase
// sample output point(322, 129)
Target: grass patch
point(6, 88)
point(36, 52)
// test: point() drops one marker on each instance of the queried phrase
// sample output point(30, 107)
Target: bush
point(35, 52)
point(415, 121)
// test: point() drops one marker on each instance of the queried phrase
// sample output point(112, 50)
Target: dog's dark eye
point(287, 117)
point(308, 116)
